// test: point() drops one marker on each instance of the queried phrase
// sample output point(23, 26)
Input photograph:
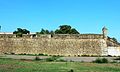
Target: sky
point(87, 16)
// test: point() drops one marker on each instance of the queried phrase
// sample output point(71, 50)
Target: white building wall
point(114, 51)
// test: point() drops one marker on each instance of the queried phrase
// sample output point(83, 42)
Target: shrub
point(71, 70)
point(50, 59)
point(69, 55)
point(114, 62)
point(78, 55)
point(117, 58)
point(22, 54)
point(82, 61)
point(19, 35)
point(94, 55)
point(41, 54)
point(103, 60)
point(45, 55)
point(109, 56)
point(5, 53)
point(53, 58)
point(98, 60)
point(85, 55)
point(37, 58)
point(61, 60)
point(12, 53)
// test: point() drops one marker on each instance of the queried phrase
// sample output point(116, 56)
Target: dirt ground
point(77, 59)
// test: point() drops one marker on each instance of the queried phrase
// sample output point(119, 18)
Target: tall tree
point(20, 31)
point(43, 31)
point(66, 29)
point(74, 31)
point(0, 28)
point(114, 39)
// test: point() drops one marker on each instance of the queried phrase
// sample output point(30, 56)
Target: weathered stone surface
point(60, 44)
point(67, 45)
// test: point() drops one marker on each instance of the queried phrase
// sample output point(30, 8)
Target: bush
point(33, 54)
point(12, 53)
point(53, 58)
point(103, 60)
point(114, 62)
point(85, 55)
point(117, 58)
point(45, 55)
point(109, 56)
point(22, 54)
point(37, 58)
point(71, 70)
point(61, 60)
point(6, 53)
point(19, 35)
point(98, 60)
point(50, 59)
point(42, 54)
point(94, 55)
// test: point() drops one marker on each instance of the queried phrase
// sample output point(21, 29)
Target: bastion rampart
point(59, 44)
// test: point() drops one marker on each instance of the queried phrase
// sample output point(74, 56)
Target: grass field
point(10, 65)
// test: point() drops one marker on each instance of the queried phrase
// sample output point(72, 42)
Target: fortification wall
point(56, 36)
point(65, 45)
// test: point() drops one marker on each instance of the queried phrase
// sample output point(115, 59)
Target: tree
point(0, 28)
point(66, 29)
point(57, 31)
point(20, 31)
point(74, 31)
point(43, 31)
point(52, 32)
point(114, 39)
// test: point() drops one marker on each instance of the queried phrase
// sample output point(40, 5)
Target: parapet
point(56, 36)
point(78, 36)
point(7, 35)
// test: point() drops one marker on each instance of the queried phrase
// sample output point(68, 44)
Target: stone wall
point(67, 45)
point(56, 36)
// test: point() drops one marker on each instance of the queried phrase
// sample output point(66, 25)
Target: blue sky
point(87, 16)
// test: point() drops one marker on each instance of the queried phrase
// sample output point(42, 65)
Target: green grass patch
point(10, 65)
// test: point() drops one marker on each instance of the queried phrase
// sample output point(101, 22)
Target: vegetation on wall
point(66, 29)
point(114, 40)
point(20, 31)
point(43, 31)
point(63, 29)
